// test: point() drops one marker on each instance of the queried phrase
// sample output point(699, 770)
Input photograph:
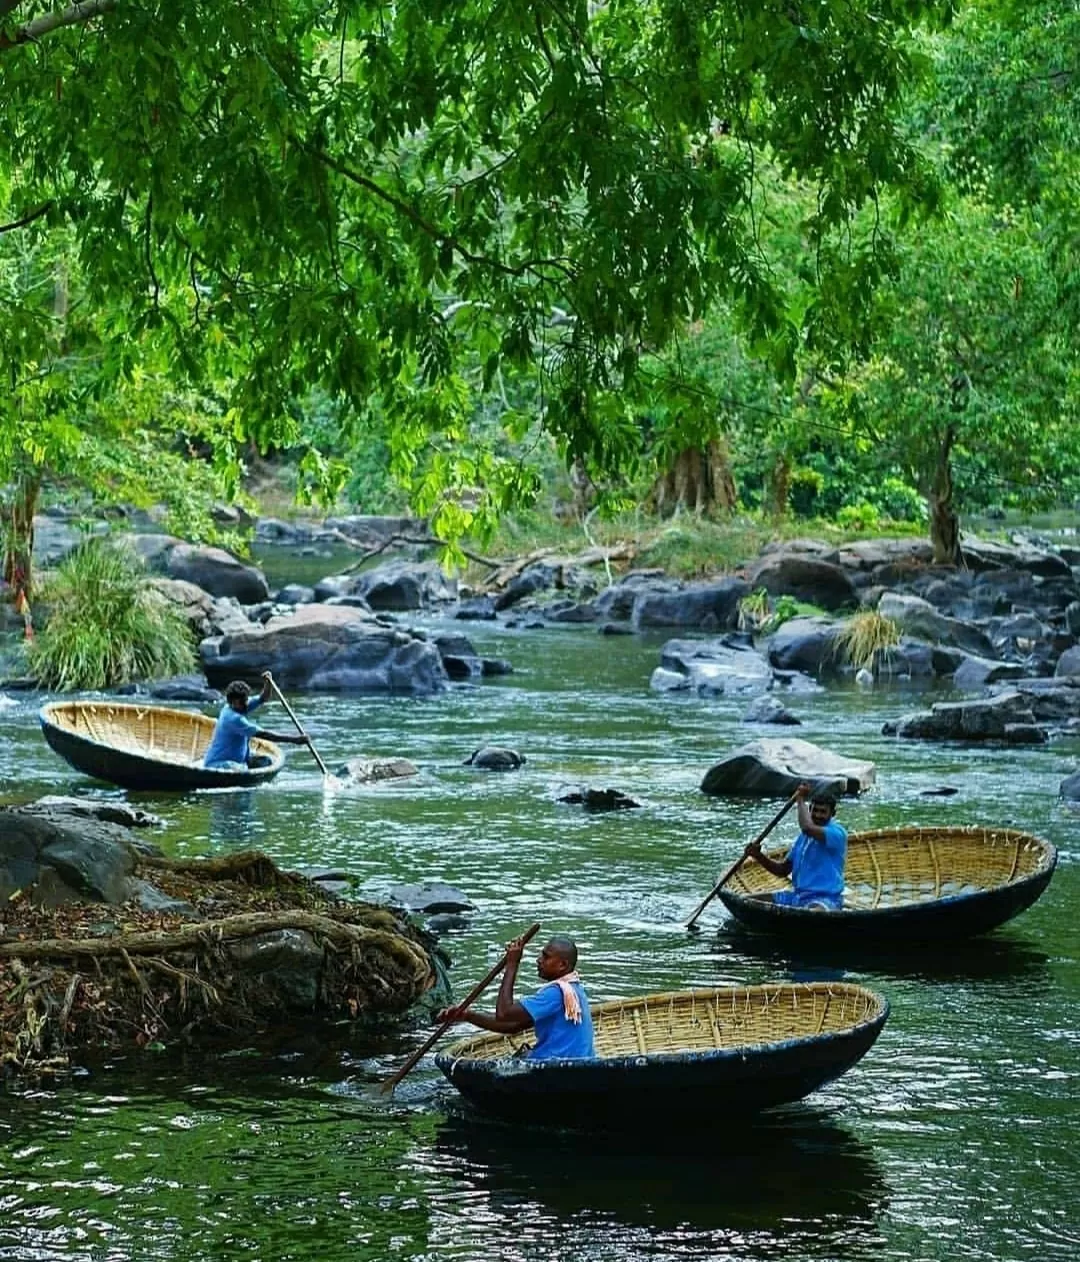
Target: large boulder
point(324, 648)
point(63, 855)
point(981, 554)
point(405, 585)
point(776, 767)
point(806, 578)
point(714, 667)
point(917, 617)
point(708, 606)
point(1008, 718)
point(218, 572)
point(805, 644)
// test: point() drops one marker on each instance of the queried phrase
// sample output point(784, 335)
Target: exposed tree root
point(274, 950)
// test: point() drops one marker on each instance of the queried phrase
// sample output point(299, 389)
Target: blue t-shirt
point(232, 736)
point(817, 867)
point(556, 1036)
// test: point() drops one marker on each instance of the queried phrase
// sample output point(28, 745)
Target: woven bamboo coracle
point(734, 1017)
point(894, 867)
point(145, 746)
point(151, 731)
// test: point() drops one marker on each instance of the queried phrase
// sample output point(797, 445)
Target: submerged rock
point(773, 767)
point(495, 758)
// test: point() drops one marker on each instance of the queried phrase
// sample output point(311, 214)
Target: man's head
point(236, 696)
point(822, 807)
point(557, 958)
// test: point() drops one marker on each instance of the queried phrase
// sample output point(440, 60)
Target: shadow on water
point(798, 1164)
point(981, 959)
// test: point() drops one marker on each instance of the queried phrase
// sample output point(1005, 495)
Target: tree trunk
point(944, 522)
point(18, 530)
point(698, 481)
point(781, 486)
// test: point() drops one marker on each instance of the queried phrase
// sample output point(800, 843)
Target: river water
point(955, 1137)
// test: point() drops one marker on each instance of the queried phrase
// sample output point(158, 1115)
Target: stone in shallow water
point(371, 770)
point(431, 898)
point(495, 758)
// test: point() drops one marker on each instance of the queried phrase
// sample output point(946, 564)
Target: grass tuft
point(866, 637)
point(107, 624)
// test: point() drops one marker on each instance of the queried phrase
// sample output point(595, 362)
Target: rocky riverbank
point(105, 943)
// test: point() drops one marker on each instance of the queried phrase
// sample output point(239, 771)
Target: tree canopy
point(395, 202)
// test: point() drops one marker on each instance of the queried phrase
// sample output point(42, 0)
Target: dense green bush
point(107, 624)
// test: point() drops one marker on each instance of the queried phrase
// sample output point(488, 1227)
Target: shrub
point(858, 517)
point(864, 637)
point(108, 626)
point(804, 491)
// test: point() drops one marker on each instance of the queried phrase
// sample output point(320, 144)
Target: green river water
point(955, 1137)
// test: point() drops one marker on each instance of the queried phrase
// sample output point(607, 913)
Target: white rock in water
point(865, 678)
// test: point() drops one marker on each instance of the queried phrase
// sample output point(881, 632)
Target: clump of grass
point(865, 637)
point(754, 610)
point(107, 624)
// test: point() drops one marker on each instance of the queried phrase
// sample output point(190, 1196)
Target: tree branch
point(31, 215)
point(81, 11)
point(426, 227)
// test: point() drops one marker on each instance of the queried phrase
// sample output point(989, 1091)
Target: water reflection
point(232, 819)
point(795, 1170)
point(965, 960)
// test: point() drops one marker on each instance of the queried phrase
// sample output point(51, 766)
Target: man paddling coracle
point(815, 862)
point(559, 1011)
point(230, 744)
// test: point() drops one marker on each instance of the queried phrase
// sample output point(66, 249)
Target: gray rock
point(810, 579)
point(495, 758)
point(1007, 717)
point(599, 800)
point(1070, 787)
point(431, 898)
point(534, 578)
point(446, 922)
point(290, 960)
point(919, 618)
point(716, 667)
point(372, 770)
point(773, 767)
point(768, 709)
point(327, 649)
point(64, 857)
point(218, 572)
point(111, 812)
point(975, 673)
point(703, 605)
point(1068, 663)
point(404, 585)
point(479, 609)
point(495, 666)
point(805, 644)
point(295, 594)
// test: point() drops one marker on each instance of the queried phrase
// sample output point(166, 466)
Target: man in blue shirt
point(231, 742)
point(815, 863)
point(559, 1011)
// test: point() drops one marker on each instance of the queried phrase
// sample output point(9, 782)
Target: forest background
point(756, 261)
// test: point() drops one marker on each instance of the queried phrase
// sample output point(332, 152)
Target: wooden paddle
point(741, 859)
point(289, 710)
point(387, 1087)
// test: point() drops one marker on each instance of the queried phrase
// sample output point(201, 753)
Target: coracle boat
point(678, 1056)
point(145, 747)
point(907, 885)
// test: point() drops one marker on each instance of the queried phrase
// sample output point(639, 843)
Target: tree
point(89, 404)
point(366, 197)
point(975, 367)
